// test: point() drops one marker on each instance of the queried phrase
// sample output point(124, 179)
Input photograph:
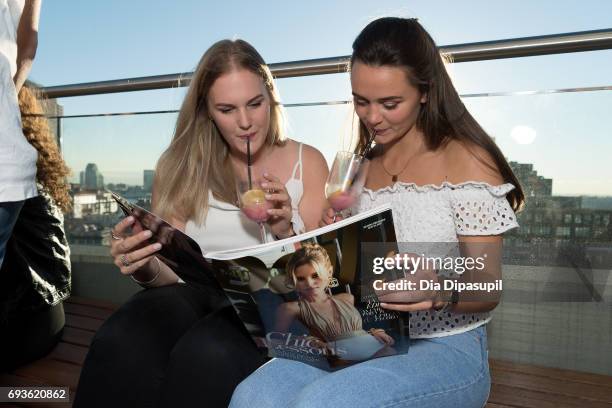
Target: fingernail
point(157, 246)
point(147, 234)
point(268, 196)
point(264, 184)
point(130, 219)
point(383, 304)
point(265, 174)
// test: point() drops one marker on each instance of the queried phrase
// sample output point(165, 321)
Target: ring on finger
point(124, 260)
point(115, 236)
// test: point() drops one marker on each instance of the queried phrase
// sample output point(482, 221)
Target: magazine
point(305, 298)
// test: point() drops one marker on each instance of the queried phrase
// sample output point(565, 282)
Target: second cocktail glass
point(345, 181)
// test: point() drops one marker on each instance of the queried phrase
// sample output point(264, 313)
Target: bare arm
point(144, 265)
point(314, 175)
point(488, 248)
point(473, 163)
point(133, 256)
point(285, 315)
point(27, 41)
point(467, 165)
point(149, 270)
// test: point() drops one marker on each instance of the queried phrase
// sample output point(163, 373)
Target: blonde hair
point(314, 255)
point(197, 160)
point(51, 170)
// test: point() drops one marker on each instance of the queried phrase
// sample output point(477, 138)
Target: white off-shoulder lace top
point(431, 213)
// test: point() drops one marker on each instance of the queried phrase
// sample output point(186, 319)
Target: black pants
point(30, 336)
point(167, 347)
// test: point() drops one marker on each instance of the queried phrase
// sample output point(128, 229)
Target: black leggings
point(167, 347)
point(30, 336)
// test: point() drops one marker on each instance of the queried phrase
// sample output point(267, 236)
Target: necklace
point(393, 176)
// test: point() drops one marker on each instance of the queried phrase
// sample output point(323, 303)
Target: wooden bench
point(62, 366)
point(513, 385)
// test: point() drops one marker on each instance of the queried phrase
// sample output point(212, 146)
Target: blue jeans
point(451, 371)
point(8, 216)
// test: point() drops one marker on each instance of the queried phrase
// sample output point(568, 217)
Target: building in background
point(93, 178)
point(147, 180)
point(558, 230)
point(89, 203)
point(533, 184)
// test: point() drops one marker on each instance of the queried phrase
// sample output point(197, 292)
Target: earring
point(333, 282)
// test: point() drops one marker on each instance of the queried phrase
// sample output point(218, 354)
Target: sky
point(566, 136)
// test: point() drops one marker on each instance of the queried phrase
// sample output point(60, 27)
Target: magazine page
point(180, 252)
point(273, 246)
point(270, 288)
point(310, 299)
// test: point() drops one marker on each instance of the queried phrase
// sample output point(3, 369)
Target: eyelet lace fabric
point(439, 213)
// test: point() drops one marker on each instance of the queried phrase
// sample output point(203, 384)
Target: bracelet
point(293, 234)
point(374, 331)
point(149, 282)
point(446, 307)
point(449, 304)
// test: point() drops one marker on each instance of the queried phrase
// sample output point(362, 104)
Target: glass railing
point(557, 306)
point(557, 288)
point(122, 148)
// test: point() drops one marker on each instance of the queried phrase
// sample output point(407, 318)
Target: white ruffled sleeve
point(482, 209)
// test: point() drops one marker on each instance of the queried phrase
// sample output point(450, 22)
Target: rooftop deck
point(62, 366)
point(513, 385)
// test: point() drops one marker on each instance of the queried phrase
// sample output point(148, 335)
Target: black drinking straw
point(249, 162)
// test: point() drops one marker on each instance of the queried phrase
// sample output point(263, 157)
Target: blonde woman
point(173, 345)
point(330, 318)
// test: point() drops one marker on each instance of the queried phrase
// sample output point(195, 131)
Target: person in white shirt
point(18, 43)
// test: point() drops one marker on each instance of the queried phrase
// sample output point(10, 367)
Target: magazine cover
point(305, 298)
point(180, 252)
point(309, 299)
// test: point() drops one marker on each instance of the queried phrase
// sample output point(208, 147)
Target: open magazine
point(308, 298)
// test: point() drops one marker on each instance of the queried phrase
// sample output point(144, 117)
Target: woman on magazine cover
point(174, 344)
point(333, 319)
point(447, 181)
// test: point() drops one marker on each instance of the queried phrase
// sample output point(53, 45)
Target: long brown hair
point(404, 43)
point(197, 160)
point(51, 170)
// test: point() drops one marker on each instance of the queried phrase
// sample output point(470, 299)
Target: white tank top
point(226, 227)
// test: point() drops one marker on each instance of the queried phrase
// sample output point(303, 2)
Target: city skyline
point(533, 183)
point(92, 178)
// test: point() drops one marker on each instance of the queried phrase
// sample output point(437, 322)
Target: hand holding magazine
point(305, 298)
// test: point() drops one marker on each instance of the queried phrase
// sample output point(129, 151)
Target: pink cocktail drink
point(341, 200)
point(255, 206)
point(257, 213)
